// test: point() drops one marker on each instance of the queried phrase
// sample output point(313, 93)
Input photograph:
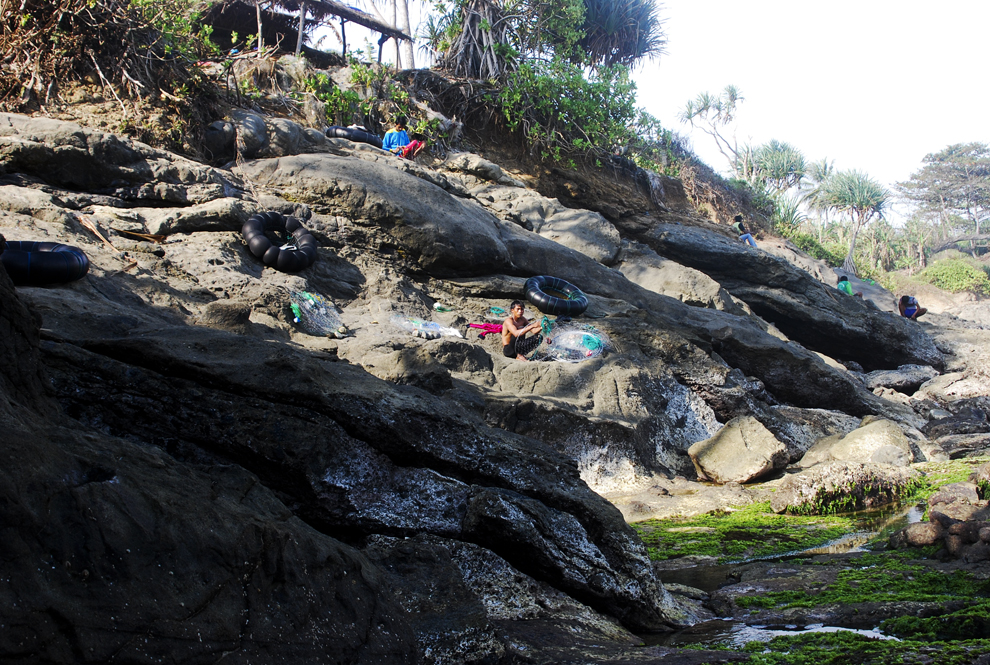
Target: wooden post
point(302, 24)
point(261, 42)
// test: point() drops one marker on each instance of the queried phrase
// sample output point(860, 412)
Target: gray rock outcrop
point(742, 451)
point(803, 308)
point(906, 379)
point(841, 487)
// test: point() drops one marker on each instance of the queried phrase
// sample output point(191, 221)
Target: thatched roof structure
point(284, 22)
point(322, 10)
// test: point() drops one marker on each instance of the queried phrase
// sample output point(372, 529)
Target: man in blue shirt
point(396, 139)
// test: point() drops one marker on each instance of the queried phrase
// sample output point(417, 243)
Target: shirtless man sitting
point(514, 329)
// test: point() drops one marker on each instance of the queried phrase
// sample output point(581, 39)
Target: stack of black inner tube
point(296, 253)
point(552, 295)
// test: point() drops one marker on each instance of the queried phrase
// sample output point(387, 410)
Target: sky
point(873, 85)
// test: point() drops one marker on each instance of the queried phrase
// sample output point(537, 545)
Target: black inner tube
point(296, 253)
point(31, 263)
point(351, 134)
point(552, 295)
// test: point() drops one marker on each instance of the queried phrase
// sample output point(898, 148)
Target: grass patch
point(885, 578)
point(967, 623)
point(750, 532)
point(842, 648)
point(939, 474)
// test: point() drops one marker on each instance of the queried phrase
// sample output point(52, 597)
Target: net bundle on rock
point(570, 342)
point(316, 314)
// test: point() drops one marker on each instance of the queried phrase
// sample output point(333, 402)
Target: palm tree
point(814, 191)
point(787, 215)
point(487, 38)
point(779, 166)
point(621, 32)
point(859, 196)
point(481, 42)
point(717, 112)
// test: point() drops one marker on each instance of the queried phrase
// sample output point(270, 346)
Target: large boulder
point(642, 266)
point(906, 379)
point(878, 441)
point(742, 451)
point(958, 502)
point(966, 420)
point(67, 155)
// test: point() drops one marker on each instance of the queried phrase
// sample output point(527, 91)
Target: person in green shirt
point(847, 288)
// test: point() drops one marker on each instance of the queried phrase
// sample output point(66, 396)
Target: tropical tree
point(621, 32)
point(787, 215)
point(813, 191)
point(490, 38)
point(862, 198)
point(713, 114)
point(777, 166)
point(477, 40)
point(954, 186)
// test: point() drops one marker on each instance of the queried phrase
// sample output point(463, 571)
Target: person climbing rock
point(908, 307)
point(744, 234)
point(847, 288)
point(396, 139)
point(514, 329)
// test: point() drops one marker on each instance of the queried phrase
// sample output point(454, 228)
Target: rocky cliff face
point(189, 474)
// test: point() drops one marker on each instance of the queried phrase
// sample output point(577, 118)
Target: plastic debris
point(425, 329)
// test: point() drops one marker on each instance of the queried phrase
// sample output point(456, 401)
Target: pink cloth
point(486, 328)
point(412, 149)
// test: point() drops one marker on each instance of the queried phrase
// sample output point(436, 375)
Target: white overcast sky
point(874, 85)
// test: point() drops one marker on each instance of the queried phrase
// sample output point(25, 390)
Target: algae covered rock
point(841, 487)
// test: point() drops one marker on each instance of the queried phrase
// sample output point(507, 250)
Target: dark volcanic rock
point(337, 429)
point(448, 237)
point(115, 550)
point(817, 316)
point(191, 476)
point(966, 421)
point(906, 379)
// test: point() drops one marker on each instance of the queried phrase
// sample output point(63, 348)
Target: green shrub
point(560, 111)
point(831, 253)
point(956, 275)
point(341, 106)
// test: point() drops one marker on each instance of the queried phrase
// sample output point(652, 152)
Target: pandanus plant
point(621, 32)
point(486, 39)
point(861, 197)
